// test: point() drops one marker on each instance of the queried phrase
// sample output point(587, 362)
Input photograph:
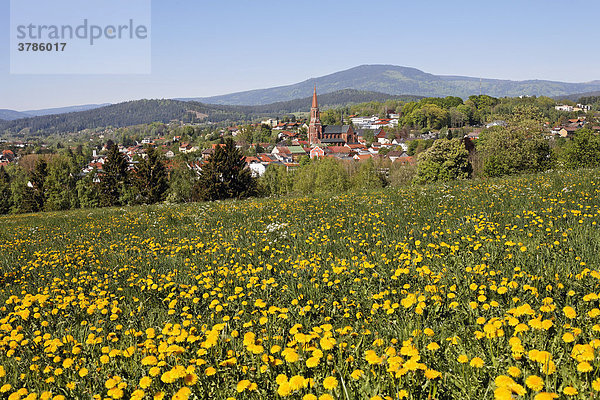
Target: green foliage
point(276, 180)
point(88, 191)
point(583, 151)
point(418, 146)
point(321, 176)
point(181, 184)
point(61, 181)
point(23, 197)
point(402, 174)
point(225, 175)
point(368, 176)
point(151, 177)
point(114, 179)
point(446, 160)
point(514, 149)
point(5, 193)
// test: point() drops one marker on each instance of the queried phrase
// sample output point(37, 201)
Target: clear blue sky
point(206, 47)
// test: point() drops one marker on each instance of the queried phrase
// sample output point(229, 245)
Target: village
point(360, 138)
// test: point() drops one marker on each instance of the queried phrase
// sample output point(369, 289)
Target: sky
point(204, 47)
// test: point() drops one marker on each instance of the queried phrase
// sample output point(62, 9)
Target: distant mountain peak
point(400, 80)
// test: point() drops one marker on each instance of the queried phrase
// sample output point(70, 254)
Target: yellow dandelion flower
point(545, 396)
point(570, 391)
point(312, 362)
point(330, 383)
point(534, 382)
point(477, 362)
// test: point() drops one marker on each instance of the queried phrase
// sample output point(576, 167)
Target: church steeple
point(314, 128)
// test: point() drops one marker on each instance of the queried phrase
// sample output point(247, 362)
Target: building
point(327, 134)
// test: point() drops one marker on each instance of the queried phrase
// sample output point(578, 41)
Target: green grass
point(383, 268)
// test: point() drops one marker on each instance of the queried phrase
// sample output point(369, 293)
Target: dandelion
point(534, 382)
point(570, 391)
point(477, 362)
point(330, 383)
point(463, 359)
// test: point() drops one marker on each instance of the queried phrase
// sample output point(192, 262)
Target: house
point(405, 159)
point(360, 121)
point(283, 135)
point(568, 131)
point(497, 122)
point(564, 108)
point(7, 156)
point(362, 157)
point(317, 152)
point(282, 153)
point(256, 166)
point(382, 138)
point(340, 151)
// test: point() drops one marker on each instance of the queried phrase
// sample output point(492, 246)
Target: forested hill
point(148, 111)
point(333, 99)
point(116, 115)
point(395, 79)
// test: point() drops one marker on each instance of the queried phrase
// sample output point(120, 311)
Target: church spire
point(314, 128)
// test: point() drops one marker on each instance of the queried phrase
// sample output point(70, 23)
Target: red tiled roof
point(339, 149)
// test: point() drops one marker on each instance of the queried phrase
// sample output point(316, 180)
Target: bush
point(446, 160)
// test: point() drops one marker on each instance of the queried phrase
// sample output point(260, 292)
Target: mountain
point(398, 80)
point(577, 96)
point(328, 100)
point(115, 115)
point(10, 115)
point(64, 110)
point(148, 111)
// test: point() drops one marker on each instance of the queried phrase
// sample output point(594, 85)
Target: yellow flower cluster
point(475, 290)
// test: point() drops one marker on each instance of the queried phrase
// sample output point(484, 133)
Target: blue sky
point(204, 48)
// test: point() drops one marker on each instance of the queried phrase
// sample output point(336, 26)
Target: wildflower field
point(473, 290)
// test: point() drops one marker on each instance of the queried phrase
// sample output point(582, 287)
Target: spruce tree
point(225, 175)
point(151, 177)
point(114, 178)
point(5, 192)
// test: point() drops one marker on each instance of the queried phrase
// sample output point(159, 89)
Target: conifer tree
point(5, 192)
point(151, 177)
point(225, 175)
point(114, 178)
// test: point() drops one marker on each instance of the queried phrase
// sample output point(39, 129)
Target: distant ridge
point(397, 80)
point(164, 110)
point(11, 115)
point(63, 110)
point(577, 96)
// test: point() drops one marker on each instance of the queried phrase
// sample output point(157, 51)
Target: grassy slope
point(345, 257)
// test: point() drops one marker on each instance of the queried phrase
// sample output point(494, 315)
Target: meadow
point(470, 290)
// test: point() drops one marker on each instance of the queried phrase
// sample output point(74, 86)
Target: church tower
point(315, 129)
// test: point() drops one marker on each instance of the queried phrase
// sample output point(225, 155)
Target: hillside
point(116, 115)
point(450, 285)
point(398, 80)
point(9, 115)
point(64, 110)
point(577, 96)
point(148, 111)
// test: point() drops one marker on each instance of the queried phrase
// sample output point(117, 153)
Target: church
point(328, 134)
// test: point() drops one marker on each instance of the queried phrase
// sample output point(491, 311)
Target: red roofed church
point(328, 134)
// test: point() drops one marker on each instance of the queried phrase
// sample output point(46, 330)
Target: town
point(289, 143)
